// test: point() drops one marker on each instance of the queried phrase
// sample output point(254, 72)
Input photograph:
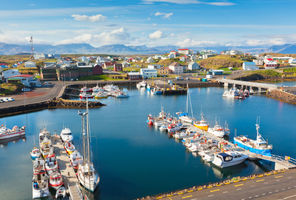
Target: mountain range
point(120, 49)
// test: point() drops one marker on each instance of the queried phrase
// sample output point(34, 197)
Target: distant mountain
point(84, 48)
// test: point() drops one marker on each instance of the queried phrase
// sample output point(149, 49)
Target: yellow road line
point(260, 180)
point(190, 191)
point(238, 185)
point(278, 176)
point(261, 175)
point(200, 188)
point(227, 183)
point(215, 190)
point(187, 197)
point(180, 192)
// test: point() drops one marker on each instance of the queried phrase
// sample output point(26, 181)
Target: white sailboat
point(184, 116)
point(87, 175)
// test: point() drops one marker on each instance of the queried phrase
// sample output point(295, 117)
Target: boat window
point(228, 158)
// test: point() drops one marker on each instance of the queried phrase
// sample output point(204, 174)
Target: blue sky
point(149, 22)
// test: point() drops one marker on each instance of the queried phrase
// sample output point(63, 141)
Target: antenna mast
point(32, 47)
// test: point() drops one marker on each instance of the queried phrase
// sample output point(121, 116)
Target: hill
point(221, 61)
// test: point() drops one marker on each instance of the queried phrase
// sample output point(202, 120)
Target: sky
point(184, 23)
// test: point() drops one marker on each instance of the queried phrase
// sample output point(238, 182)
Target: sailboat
point(87, 175)
point(184, 116)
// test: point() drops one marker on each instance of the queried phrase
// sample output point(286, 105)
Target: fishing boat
point(35, 153)
point(6, 133)
point(232, 93)
point(163, 128)
point(217, 130)
point(111, 88)
point(40, 180)
point(150, 120)
point(51, 164)
point(69, 147)
point(101, 95)
point(85, 90)
point(86, 174)
point(156, 91)
point(45, 147)
point(84, 95)
point(228, 159)
point(97, 89)
point(202, 124)
point(121, 94)
point(60, 193)
point(66, 135)
point(76, 159)
point(258, 146)
point(56, 180)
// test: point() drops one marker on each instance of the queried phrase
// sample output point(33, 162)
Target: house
point(270, 64)
point(125, 64)
point(258, 61)
point(134, 76)
point(117, 67)
point(148, 73)
point(9, 73)
point(154, 66)
point(185, 51)
point(97, 70)
point(217, 72)
point(39, 56)
point(30, 64)
point(183, 58)
point(176, 68)
point(84, 59)
point(26, 79)
point(149, 60)
point(250, 66)
point(50, 65)
point(172, 54)
point(193, 66)
point(107, 65)
point(292, 61)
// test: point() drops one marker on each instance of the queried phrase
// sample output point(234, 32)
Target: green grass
point(131, 69)
point(10, 88)
point(290, 70)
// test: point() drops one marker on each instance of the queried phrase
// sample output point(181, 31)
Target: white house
point(149, 60)
point(193, 66)
point(292, 61)
point(172, 54)
point(250, 66)
point(258, 61)
point(9, 73)
point(185, 51)
point(154, 66)
point(39, 56)
point(270, 64)
point(176, 68)
point(84, 59)
point(148, 73)
point(30, 64)
point(27, 80)
point(125, 64)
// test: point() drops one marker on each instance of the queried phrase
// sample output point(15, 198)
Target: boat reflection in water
point(4, 143)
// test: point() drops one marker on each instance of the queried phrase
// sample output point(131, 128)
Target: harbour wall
point(282, 95)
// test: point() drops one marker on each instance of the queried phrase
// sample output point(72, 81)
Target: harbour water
point(134, 160)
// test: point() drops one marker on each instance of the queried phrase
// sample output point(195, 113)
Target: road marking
point(238, 189)
point(283, 189)
point(187, 197)
point(190, 191)
point(180, 192)
point(225, 192)
point(239, 185)
point(260, 180)
point(269, 192)
point(277, 191)
point(211, 195)
point(278, 176)
point(263, 194)
point(289, 177)
point(215, 190)
point(250, 197)
point(256, 195)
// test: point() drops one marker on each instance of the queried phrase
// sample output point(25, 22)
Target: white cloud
point(267, 42)
point(156, 35)
point(190, 42)
point(93, 18)
point(223, 3)
point(164, 15)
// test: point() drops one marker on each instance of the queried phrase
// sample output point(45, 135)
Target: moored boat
point(66, 135)
point(69, 147)
point(228, 159)
point(6, 133)
point(202, 124)
point(258, 146)
point(217, 130)
point(35, 153)
point(56, 180)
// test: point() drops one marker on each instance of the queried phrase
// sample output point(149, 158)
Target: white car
point(5, 99)
point(10, 99)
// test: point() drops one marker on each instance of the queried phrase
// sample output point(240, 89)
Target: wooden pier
point(68, 173)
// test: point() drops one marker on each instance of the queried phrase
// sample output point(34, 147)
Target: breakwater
point(282, 95)
point(51, 104)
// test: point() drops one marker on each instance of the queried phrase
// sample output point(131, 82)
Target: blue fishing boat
point(258, 146)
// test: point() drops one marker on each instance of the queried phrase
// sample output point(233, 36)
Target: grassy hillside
point(221, 61)
point(10, 88)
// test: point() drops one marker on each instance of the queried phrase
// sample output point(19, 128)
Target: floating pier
point(68, 173)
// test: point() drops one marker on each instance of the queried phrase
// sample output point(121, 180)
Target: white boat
point(110, 88)
point(86, 173)
point(66, 135)
point(184, 116)
point(121, 95)
point(76, 159)
point(56, 180)
point(60, 193)
point(97, 89)
point(35, 153)
point(163, 128)
point(85, 90)
point(44, 134)
point(228, 159)
point(142, 84)
point(217, 130)
point(84, 95)
point(40, 180)
point(51, 164)
point(232, 93)
point(6, 133)
point(46, 147)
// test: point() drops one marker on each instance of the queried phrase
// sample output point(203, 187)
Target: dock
point(68, 173)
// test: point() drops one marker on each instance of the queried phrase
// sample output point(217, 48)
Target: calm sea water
point(134, 160)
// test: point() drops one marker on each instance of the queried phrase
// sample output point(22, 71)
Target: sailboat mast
point(187, 99)
point(87, 132)
point(83, 136)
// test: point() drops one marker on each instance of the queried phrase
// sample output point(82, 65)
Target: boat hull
point(12, 135)
point(204, 128)
point(265, 152)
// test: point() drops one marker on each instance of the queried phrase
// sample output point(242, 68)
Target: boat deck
point(68, 173)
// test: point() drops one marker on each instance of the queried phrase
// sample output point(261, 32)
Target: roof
point(134, 73)
point(175, 64)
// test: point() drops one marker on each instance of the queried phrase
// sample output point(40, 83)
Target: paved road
point(42, 94)
point(281, 186)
